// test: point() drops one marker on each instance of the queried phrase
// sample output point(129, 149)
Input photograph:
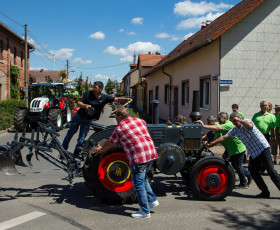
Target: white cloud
point(137, 47)
point(38, 68)
point(80, 60)
point(138, 21)
point(104, 78)
point(187, 36)
point(131, 33)
point(188, 8)
point(63, 53)
point(121, 30)
point(98, 35)
point(196, 21)
point(166, 35)
point(162, 35)
point(127, 59)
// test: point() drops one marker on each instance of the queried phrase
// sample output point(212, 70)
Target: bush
point(144, 116)
point(7, 111)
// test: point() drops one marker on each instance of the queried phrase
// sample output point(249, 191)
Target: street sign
point(228, 82)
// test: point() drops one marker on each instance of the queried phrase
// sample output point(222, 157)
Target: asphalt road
point(40, 199)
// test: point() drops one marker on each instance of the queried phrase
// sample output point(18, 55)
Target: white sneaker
point(141, 214)
point(154, 204)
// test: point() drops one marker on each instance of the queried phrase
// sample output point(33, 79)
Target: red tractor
point(46, 103)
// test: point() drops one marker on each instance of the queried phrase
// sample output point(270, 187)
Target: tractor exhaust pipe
point(195, 114)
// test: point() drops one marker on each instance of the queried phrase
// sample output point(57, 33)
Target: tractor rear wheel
point(55, 117)
point(212, 179)
point(20, 119)
point(108, 177)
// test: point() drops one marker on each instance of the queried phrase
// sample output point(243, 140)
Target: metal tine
point(29, 156)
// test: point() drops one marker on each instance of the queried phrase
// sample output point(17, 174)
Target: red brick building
point(11, 53)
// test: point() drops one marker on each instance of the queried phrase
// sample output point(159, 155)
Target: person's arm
point(219, 140)
point(210, 127)
point(107, 145)
point(83, 105)
point(246, 124)
point(123, 99)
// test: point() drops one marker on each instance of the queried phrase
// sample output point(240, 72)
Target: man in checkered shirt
point(140, 150)
point(258, 148)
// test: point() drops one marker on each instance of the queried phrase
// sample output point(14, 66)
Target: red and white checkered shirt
point(135, 139)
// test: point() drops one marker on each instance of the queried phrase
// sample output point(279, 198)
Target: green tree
point(14, 87)
point(79, 85)
point(109, 87)
point(64, 76)
point(48, 79)
point(86, 85)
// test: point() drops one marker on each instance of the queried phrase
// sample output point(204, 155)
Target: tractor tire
point(55, 117)
point(108, 177)
point(212, 179)
point(20, 119)
point(68, 115)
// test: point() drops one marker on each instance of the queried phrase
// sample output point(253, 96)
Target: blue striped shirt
point(253, 139)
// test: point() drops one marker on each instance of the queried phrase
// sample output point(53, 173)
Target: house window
point(205, 93)
point(185, 93)
point(166, 94)
point(15, 55)
point(157, 92)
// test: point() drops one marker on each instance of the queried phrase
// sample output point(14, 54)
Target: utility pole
point(53, 54)
point(25, 66)
point(67, 67)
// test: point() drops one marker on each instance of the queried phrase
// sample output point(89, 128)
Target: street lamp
point(53, 54)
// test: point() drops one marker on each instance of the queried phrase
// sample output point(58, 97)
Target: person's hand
point(236, 119)
point(200, 122)
point(87, 106)
point(97, 150)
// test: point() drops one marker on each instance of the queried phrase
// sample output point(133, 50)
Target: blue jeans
point(77, 122)
point(237, 161)
point(142, 186)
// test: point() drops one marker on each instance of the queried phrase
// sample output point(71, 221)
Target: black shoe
point(262, 172)
point(240, 186)
point(249, 180)
point(263, 195)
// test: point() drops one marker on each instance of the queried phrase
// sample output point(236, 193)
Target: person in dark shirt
point(92, 98)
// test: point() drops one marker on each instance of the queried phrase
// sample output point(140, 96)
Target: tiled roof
point(149, 60)
point(208, 34)
point(7, 29)
point(40, 75)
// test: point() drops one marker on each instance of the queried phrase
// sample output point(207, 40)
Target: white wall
point(250, 57)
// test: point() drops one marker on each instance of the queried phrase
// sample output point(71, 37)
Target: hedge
point(7, 111)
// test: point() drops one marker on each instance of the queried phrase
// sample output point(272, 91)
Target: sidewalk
point(106, 118)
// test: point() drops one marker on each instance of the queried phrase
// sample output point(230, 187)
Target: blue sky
point(99, 38)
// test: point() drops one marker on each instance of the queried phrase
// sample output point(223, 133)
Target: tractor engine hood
point(39, 103)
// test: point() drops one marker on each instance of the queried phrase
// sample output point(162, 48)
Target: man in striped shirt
point(258, 148)
point(140, 150)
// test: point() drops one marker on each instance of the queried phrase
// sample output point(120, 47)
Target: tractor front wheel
point(20, 119)
point(55, 117)
point(212, 179)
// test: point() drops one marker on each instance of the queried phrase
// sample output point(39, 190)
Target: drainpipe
point(170, 87)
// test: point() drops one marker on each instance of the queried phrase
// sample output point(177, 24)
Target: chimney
point(205, 24)
point(42, 71)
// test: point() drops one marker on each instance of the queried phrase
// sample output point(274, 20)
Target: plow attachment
point(7, 165)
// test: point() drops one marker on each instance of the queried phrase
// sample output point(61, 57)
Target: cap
point(277, 107)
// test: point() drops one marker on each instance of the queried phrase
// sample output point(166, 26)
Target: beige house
point(144, 64)
point(234, 59)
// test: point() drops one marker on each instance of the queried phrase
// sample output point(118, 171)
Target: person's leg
point(254, 168)
point(84, 129)
point(267, 160)
point(138, 176)
point(151, 195)
point(74, 126)
point(237, 161)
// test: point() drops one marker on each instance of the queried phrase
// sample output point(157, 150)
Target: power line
point(11, 19)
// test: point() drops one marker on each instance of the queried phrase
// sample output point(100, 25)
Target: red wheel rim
point(114, 173)
point(212, 179)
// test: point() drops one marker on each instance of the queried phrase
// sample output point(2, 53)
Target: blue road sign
point(229, 82)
